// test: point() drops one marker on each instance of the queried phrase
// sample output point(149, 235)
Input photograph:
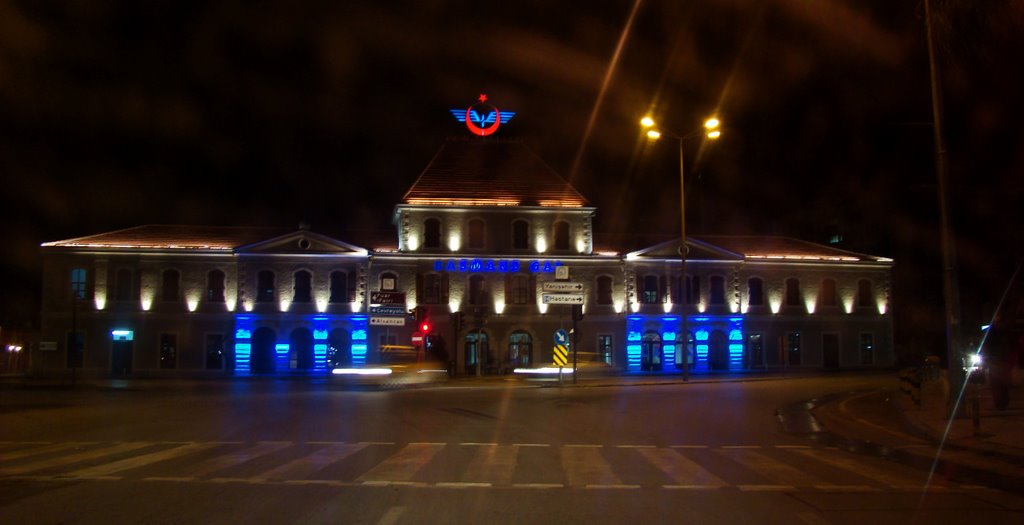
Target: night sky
point(115, 114)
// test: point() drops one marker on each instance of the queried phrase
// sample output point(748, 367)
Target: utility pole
point(950, 286)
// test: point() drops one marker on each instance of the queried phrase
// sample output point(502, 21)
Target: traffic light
point(425, 327)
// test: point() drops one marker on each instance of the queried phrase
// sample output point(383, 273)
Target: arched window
point(604, 290)
point(432, 233)
point(339, 287)
point(520, 235)
point(561, 235)
point(265, 286)
point(828, 296)
point(717, 289)
point(303, 291)
point(215, 286)
point(520, 349)
point(169, 285)
point(476, 239)
point(478, 290)
point(123, 285)
point(865, 296)
point(755, 291)
point(388, 281)
point(649, 289)
point(692, 289)
point(792, 292)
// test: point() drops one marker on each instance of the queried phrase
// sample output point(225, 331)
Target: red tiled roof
point(489, 172)
point(164, 236)
point(782, 248)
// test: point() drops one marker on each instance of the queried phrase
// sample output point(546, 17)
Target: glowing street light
point(710, 131)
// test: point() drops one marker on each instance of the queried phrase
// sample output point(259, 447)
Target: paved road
point(289, 453)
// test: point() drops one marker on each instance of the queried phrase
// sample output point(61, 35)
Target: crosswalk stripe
point(402, 466)
point(585, 466)
point(74, 458)
point(306, 465)
point(204, 468)
point(683, 471)
point(888, 477)
point(770, 468)
point(138, 461)
point(35, 449)
point(492, 465)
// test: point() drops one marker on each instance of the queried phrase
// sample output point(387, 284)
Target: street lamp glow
point(714, 134)
point(711, 123)
point(653, 134)
point(647, 122)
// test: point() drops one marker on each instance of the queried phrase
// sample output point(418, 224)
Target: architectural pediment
point(302, 242)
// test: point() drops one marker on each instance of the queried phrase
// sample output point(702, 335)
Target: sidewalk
point(998, 433)
point(889, 424)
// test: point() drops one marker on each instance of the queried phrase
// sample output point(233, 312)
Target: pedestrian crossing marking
point(74, 458)
point(138, 461)
point(471, 465)
point(32, 451)
point(403, 465)
point(306, 465)
point(492, 465)
point(585, 466)
point(681, 469)
point(769, 468)
point(891, 477)
point(214, 464)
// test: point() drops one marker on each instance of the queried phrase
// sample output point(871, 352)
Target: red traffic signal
point(425, 327)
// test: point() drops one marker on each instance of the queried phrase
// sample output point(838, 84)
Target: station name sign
point(494, 266)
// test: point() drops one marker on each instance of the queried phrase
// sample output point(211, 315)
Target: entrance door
point(830, 350)
point(650, 353)
point(262, 359)
point(718, 354)
point(121, 358)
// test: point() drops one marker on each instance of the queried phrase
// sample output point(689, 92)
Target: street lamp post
point(712, 132)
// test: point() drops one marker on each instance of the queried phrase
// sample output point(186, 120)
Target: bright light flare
point(712, 123)
point(653, 134)
point(647, 122)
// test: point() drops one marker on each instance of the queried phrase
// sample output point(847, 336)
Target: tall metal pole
point(950, 286)
point(683, 282)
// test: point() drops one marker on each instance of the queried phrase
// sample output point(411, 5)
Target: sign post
point(561, 351)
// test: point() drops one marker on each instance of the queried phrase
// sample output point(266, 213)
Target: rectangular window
point(604, 348)
point(168, 351)
point(793, 348)
point(214, 351)
point(867, 349)
point(431, 289)
point(79, 281)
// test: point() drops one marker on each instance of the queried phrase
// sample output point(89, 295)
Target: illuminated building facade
point(479, 238)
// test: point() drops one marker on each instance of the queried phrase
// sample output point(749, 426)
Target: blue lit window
point(359, 335)
point(702, 335)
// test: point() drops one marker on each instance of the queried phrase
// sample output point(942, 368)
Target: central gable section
point(490, 172)
point(302, 242)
